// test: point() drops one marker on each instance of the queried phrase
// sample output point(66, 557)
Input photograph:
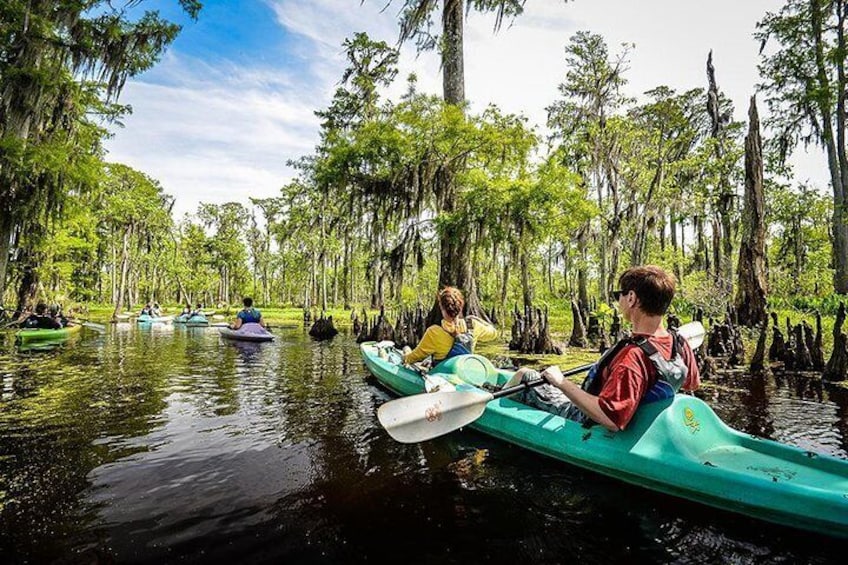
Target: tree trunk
point(505, 281)
point(454, 254)
point(323, 282)
point(6, 228)
point(723, 227)
point(453, 71)
point(346, 294)
point(834, 144)
point(335, 279)
point(751, 291)
point(28, 287)
point(526, 290)
point(582, 275)
point(640, 238)
point(125, 262)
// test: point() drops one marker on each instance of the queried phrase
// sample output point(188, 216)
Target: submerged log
point(817, 351)
point(802, 359)
point(362, 334)
point(531, 332)
point(357, 323)
point(382, 329)
point(758, 362)
point(777, 351)
point(725, 341)
point(323, 328)
point(410, 327)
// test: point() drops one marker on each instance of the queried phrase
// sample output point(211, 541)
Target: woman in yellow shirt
point(452, 337)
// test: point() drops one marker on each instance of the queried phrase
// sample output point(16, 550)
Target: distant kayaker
point(147, 310)
point(453, 336)
point(198, 311)
point(186, 310)
point(56, 314)
point(41, 319)
point(650, 365)
point(156, 311)
point(248, 315)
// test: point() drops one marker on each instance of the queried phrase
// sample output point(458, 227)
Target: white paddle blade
point(693, 332)
point(425, 416)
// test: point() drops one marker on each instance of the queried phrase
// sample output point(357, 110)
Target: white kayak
point(247, 332)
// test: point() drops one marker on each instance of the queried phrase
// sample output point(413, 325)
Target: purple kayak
point(247, 332)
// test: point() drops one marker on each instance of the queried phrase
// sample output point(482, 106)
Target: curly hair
point(451, 301)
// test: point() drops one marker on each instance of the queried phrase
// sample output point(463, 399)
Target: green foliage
point(61, 65)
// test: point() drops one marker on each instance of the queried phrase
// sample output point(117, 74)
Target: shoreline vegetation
point(403, 196)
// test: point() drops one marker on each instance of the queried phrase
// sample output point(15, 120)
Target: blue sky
point(233, 98)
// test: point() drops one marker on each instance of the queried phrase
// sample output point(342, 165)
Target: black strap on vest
point(642, 342)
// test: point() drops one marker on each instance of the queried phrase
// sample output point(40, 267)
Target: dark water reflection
point(165, 444)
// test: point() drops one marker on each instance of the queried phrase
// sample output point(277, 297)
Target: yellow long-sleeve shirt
point(438, 340)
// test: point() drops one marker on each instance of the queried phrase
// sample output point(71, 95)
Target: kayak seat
point(472, 369)
point(684, 422)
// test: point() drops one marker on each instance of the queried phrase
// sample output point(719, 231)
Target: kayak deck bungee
point(678, 447)
point(39, 334)
point(247, 333)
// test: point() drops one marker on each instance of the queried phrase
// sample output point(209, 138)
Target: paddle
point(424, 416)
point(92, 325)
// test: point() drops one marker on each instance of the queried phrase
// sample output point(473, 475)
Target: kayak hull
point(246, 333)
point(145, 319)
point(678, 447)
point(33, 335)
point(197, 321)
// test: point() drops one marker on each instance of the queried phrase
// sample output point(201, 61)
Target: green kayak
point(678, 447)
point(27, 336)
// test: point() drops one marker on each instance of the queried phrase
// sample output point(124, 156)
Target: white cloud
point(215, 136)
point(217, 131)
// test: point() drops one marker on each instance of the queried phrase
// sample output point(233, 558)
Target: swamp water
point(162, 444)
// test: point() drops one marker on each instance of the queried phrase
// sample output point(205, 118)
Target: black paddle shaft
point(575, 371)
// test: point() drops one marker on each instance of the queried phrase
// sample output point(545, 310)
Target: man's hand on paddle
point(554, 376)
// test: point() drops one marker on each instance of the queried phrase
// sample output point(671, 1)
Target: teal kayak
point(181, 319)
point(147, 319)
point(197, 320)
point(27, 336)
point(677, 446)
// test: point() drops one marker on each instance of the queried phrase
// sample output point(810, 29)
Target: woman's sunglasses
point(616, 294)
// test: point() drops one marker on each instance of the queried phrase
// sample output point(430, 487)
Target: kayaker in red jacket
point(611, 397)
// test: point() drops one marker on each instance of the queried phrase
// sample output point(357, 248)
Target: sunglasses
point(616, 294)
